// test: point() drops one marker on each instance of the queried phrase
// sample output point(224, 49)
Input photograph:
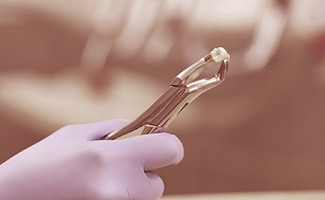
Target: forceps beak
point(183, 89)
point(187, 77)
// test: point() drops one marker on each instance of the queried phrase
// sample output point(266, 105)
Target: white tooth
point(219, 54)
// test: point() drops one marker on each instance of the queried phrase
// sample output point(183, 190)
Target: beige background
point(259, 131)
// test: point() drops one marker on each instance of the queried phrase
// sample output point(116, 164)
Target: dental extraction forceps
point(181, 92)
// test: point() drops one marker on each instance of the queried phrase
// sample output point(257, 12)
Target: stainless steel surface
point(183, 89)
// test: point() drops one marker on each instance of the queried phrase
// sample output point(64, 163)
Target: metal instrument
point(183, 89)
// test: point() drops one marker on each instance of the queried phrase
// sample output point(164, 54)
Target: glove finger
point(97, 130)
point(156, 185)
point(151, 187)
point(152, 151)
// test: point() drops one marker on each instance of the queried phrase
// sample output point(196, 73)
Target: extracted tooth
point(219, 54)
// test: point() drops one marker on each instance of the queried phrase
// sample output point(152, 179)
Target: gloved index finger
point(154, 150)
point(97, 130)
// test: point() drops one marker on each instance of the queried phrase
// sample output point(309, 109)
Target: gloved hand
point(73, 163)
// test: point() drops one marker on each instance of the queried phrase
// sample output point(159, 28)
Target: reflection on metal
point(183, 89)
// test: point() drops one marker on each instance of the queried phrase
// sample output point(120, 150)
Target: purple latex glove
point(73, 163)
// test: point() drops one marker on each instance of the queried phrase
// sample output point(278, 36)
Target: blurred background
point(78, 61)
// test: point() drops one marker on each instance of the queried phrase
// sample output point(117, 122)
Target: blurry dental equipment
point(107, 23)
point(168, 25)
point(267, 37)
point(124, 28)
point(183, 89)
